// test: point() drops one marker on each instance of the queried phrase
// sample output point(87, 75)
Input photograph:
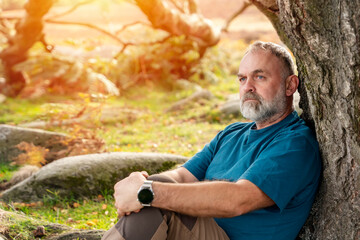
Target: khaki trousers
point(158, 224)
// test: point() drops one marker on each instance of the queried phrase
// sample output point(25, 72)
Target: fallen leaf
point(75, 205)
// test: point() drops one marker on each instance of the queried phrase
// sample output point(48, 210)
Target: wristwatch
point(146, 194)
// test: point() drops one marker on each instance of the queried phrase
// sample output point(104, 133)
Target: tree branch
point(144, 44)
point(193, 7)
point(129, 25)
point(76, 6)
point(237, 13)
point(181, 9)
point(195, 26)
point(87, 25)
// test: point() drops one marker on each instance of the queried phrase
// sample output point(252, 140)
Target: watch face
point(145, 196)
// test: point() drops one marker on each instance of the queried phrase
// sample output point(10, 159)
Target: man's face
point(262, 87)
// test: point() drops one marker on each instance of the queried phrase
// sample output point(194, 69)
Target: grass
point(7, 170)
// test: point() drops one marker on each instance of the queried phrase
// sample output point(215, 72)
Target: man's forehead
point(255, 71)
point(259, 62)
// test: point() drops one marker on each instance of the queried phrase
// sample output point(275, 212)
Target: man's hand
point(126, 193)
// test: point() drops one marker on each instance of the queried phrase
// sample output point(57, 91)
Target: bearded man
point(252, 181)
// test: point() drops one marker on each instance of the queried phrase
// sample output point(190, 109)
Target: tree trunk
point(325, 39)
point(192, 24)
point(28, 31)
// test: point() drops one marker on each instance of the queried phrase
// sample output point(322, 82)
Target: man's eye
point(260, 77)
point(242, 79)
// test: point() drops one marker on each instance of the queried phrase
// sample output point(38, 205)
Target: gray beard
point(261, 110)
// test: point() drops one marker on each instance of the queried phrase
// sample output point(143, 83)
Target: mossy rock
point(19, 226)
point(87, 176)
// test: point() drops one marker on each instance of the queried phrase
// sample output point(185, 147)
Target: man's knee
point(143, 225)
point(149, 223)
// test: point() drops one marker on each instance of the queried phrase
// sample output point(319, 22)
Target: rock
point(39, 232)
point(107, 114)
point(203, 94)
point(87, 175)
point(53, 231)
point(183, 84)
point(81, 234)
point(230, 108)
point(23, 173)
point(10, 136)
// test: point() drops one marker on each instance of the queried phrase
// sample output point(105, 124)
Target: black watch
point(146, 194)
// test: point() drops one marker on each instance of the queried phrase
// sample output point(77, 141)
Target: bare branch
point(2, 31)
point(195, 26)
point(125, 44)
point(131, 24)
point(176, 4)
point(192, 6)
point(87, 25)
point(48, 47)
point(2, 18)
point(237, 13)
point(76, 6)
point(143, 44)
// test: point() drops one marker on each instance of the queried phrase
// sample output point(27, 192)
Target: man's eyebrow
point(256, 71)
point(240, 75)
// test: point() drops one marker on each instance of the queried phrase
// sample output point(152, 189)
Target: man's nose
point(248, 86)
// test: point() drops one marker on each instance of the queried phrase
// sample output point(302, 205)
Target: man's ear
point(292, 83)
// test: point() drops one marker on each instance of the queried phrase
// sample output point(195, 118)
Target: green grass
point(7, 170)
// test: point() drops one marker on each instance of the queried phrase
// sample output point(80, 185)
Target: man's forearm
point(208, 199)
point(180, 175)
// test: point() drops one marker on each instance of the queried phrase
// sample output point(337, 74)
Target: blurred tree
point(176, 17)
point(183, 20)
point(325, 39)
point(28, 31)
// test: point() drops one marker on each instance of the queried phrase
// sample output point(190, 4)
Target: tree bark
point(324, 37)
point(28, 31)
point(163, 16)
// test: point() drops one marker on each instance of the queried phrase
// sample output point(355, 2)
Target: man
point(252, 181)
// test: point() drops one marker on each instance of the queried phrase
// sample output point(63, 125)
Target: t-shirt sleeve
point(199, 163)
point(285, 167)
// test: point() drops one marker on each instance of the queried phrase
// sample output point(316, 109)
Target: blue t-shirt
point(283, 160)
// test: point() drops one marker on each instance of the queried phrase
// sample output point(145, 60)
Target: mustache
point(251, 96)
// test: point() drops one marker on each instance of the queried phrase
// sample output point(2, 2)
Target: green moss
point(167, 165)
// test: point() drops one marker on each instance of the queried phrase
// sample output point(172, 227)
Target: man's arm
point(203, 199)
point(180, 175)
point(210, 199)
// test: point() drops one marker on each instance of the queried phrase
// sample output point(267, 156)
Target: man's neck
point(274, 119)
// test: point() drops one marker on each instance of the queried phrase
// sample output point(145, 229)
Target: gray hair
point(278, 51)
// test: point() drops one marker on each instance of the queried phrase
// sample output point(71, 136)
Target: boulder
point(80, 234)
point(53, 231)
point(11, 136)
point(181, 104)
point(87, 175)
point(183, 84)
point(230, 108)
